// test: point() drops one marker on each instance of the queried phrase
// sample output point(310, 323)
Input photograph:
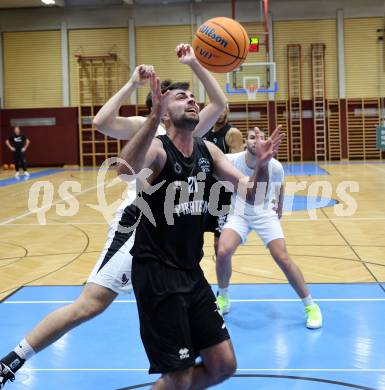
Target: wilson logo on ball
point(204, 53)
point(210, 32)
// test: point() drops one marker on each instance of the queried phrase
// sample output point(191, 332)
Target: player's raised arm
point(209, 115)
point(143, 151)
point(108, 121)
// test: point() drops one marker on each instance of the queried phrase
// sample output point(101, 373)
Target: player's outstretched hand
point(185, 53)
point(265, 150)
point(142, 74)
point(159, 99)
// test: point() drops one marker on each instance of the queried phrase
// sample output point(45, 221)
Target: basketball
point(11, 166)
point(221, 44)
point(5, 166)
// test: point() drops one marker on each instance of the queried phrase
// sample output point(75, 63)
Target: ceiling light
point(59, 3)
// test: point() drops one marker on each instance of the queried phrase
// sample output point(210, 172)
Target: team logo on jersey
point(183, 353)
point(177, 168)
point(204, 164)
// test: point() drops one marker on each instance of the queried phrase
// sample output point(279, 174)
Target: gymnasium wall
point(97, 42)
point(155, 45)
point(32, 50)
point(33, 74)
point(32, 69)
point(364, 58)
point(159, 28)
point(305, 33)
point(178, 14)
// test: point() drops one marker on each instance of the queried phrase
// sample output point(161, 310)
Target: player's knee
point(225, 369)
point(179, 380)
point(223, 253)
point(87, 309)
point(283, 259)
point(229, 368)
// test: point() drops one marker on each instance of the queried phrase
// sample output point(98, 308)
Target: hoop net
point(252, 92)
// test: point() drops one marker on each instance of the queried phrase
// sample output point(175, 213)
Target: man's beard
point(184, 121)
point(250, 149)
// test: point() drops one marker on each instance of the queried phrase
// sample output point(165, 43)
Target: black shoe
point(6, 374)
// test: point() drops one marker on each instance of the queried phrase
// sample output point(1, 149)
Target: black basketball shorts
point(178, 314)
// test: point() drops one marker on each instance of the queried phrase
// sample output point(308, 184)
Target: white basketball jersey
point(271, 193)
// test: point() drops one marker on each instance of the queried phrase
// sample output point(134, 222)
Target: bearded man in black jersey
point(179, 319)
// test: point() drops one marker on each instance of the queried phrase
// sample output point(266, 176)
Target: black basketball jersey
point(178, 207)
point(219, 137)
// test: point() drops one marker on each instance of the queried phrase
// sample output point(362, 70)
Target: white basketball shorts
point(113, 269)
point(267, 226)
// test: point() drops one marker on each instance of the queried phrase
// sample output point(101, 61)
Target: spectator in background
point(18, 143)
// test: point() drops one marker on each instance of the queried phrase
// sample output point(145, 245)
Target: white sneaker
point(17, 174)
point(26, 173)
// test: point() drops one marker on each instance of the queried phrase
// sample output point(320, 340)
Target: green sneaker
point(314, 316)
point(223, 304)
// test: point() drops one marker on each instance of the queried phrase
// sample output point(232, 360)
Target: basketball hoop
point(252, 92)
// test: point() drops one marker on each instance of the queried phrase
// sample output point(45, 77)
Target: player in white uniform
point(112, 273)
point(262, 217)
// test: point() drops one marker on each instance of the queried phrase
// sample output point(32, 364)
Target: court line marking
point(76, 195)
point(231, 300)
point(239, 369)
point(376, 168)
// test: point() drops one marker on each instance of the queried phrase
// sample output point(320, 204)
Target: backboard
point(259, 76)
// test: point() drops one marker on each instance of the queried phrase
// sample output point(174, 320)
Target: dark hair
point(261, 130)
point(167, 85)
point(252, 130)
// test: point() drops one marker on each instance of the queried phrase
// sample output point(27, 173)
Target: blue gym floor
point(266, 323)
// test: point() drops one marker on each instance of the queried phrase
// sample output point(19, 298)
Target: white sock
point(308, 300)
point(223, 292)
point(24, 350)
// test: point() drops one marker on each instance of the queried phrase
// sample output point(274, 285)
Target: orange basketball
point(221, 44)
point(11, 166)
point(5, 166)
